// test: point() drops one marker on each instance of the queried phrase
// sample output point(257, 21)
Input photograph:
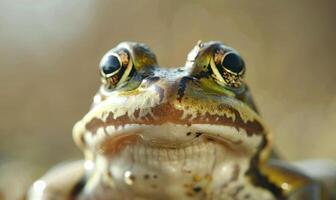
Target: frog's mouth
point(174, 153)
point(169, 137)
point(169, 140)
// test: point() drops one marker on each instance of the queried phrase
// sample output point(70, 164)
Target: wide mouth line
point(182, 135)
point(111, 139)
point(132, 148)
point(178, 144)
point(134, 139)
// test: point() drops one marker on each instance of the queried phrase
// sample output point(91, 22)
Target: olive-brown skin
point(211, 108)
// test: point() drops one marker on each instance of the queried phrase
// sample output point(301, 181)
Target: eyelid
point(126, 72)
point(216, 71)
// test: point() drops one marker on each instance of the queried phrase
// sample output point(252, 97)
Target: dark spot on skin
point(182, 86)
point(136, 113)
point(132, 177)
point(197, 189)
point(155, 176)
point(146, 176)
point(198, 134)
point(189, 133)
point(247, 196)
point(154, 186)
point(77, 188)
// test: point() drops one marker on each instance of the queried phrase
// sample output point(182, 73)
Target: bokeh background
point(50, 52)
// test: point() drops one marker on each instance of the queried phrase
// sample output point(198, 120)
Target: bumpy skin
point(173, 134)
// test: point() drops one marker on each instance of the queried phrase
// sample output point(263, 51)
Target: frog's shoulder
point(59, 183)
point(321, 170)
point(295, 183)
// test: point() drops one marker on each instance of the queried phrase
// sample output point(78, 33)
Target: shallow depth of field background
point(50, 51)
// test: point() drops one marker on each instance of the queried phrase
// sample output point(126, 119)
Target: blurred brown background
point(50, 52)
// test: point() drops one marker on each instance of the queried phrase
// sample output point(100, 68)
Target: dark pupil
point(233, 62)
point(111, 65)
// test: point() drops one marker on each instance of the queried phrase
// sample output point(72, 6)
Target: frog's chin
point(140, 158)
point(145, 173)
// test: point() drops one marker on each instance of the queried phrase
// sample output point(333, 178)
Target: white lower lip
point(169, 134)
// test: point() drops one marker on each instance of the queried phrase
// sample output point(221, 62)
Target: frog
point(192, 132)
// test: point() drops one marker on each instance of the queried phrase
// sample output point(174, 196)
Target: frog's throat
point(204, 149)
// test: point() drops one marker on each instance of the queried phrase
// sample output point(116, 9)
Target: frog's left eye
point(115, 68)
point(228, 68)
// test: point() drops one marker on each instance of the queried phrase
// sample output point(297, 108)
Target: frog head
point(192, 131)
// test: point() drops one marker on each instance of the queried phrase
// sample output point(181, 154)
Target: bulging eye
point(115, 68)
point(111, 65)
point(233, 63)
point(228, 68)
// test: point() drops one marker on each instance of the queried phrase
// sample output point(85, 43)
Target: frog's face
point(158, 132)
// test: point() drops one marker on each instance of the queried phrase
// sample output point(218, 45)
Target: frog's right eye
point(228, 68)
point(115, 68)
